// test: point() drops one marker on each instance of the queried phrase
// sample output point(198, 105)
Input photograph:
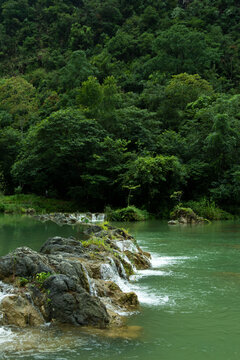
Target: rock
point(23, 262)
point(129, 300)
point(70, 267)
point(70, 303)
point(140, 260)
point(185, 216)
point(92, 229)
point(69, 282)
point(17, 310)
point(30, 211)
point(61, 245)
point(172, 222)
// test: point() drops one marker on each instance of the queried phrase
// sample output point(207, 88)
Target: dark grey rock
point(23, 262)
point(61, 245)
point(92, 229)
point(70, 303)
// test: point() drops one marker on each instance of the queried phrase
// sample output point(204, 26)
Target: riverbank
point(30, 203)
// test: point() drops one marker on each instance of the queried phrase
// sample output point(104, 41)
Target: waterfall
point(92, 218)
point(91, 283)
point(98, 217)
point(124, 245)
point(5, 290)
point(123, 272)
point(6, 334)
point(109, 272)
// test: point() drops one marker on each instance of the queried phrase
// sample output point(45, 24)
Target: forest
point(100, 98)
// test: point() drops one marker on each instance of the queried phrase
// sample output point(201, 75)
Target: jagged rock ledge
point(71, 218)
point(70, 281)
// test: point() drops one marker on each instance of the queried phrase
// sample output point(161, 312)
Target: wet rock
point(70, 303)
point(71, 282)
point(129, 300)
point(140, 260)
point(18, 310)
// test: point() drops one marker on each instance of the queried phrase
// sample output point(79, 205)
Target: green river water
point(190, 298)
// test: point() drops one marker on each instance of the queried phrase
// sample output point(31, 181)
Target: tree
point(182, 49)
point(56, 151)
point(185, 88)
point(17, 97)
point(9, 149)
point(158, 178)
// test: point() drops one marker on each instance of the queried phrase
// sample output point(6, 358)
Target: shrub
point(130, 213)
point(208, 209)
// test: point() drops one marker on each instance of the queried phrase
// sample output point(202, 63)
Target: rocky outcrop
point(72, 282)
point(182, 215)
point(70, 219)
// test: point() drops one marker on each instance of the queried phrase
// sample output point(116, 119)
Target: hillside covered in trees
point(102, 97)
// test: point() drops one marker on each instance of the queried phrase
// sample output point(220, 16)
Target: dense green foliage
point(121, 102)
point(130, 213)
point(32, 203)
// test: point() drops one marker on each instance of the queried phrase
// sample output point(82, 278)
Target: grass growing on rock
point(99, 242)
point(130, 213)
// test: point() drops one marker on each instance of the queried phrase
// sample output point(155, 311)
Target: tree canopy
point(97, 97)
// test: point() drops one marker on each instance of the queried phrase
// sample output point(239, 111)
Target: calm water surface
point(190, 298)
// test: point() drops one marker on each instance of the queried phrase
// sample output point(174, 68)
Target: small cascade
point(113, 265)
point(109, 272)
point(91, 283)
point(6, 335)
point(5, 290)
point(99, 217)
point(123, 272)
point(90, 217)
point(126, 259)
point(124, 245)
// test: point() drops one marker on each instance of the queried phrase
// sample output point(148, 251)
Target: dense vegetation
point(115, 102)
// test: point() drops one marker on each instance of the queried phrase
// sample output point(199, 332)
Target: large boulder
point(61, 245)
point(23, 262)
point(70, 303)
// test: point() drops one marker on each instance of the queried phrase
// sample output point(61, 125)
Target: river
point(189, 298)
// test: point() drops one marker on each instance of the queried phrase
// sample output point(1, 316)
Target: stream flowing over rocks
point(70, 281)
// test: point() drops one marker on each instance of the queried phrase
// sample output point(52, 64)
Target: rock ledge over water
point(70, 281)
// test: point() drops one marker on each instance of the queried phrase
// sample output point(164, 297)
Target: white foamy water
point(124, 245)
point(145, 295)
point(6, 336)
point(150, 272)
point(162, 261)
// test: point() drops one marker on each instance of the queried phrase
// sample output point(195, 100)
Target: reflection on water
point(189, 298)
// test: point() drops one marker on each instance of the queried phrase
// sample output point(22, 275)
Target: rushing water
point(190, 298)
